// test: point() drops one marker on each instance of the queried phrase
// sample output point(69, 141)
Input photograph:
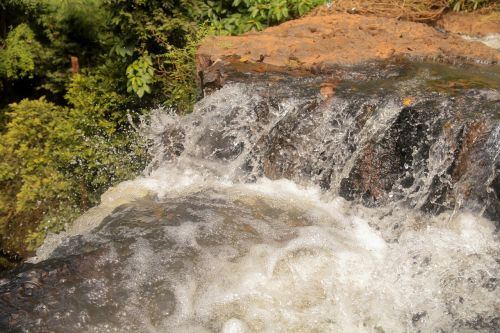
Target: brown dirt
point(472, 24)
point(412, 10)
point(315, 42)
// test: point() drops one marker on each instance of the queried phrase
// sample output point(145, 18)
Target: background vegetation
point(65, 136)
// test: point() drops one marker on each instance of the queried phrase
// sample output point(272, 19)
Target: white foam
point(342, 275)
point(490, 40)
point(234, 325)
point(165, 180)
point(333, 272)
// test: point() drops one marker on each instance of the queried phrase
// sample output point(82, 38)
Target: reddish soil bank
point(471, 23)
point(316, 42)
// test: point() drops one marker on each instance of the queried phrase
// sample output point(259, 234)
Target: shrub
point(18, 57)
point(56, 161)
point(32, 151)
point(239, 16)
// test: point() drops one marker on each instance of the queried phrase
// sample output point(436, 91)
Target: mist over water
point(272, 209)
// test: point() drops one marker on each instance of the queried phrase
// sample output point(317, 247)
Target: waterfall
point(274, 208)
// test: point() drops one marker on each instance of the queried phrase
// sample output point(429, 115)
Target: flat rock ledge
point(471, 24)
point(317, 43)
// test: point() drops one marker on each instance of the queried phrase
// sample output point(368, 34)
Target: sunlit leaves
point(54, 157)
point(237, 16)
point(178, 80)
point(19, 56)
point(140, 75)
point(37, 135)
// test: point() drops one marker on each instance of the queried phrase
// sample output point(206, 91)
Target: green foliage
point(239, 16)
point(37, 130)
point(140, 75)
point(109, 151)
point(140, 23)
point(75, 27)
point(158, 39)
point(55, 221)
point(155, 39)
point(32, 150)
point(71, 28)
point(20, 52)
point(97, 102)
point(177, 71)
point(57, 159)
point(44, 34)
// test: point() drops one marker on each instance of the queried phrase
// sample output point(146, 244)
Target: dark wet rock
point(480, 324)
point(391, 157)
point(122, 274)
point(279, 153)
point(173, 143)
point(220, 145)
point(417, 317)
point(210, 75)
point(438, 153)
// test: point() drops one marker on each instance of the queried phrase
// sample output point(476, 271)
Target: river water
point(274, 209)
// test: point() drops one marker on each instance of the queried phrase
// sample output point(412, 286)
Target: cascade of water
point(273, 209)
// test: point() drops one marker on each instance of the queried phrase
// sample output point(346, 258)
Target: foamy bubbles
point(275, 257)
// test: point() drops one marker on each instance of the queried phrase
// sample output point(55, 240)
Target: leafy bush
point(177, 71)
point(140, 75)
point(158, 39)
point(37, 40)
point(149, 37)
point(32, 151)
point(56, 161)
point(239, 16)
point(21, 51)
point(108, 150)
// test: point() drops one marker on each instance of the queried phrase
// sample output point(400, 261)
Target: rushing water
point(213, 238)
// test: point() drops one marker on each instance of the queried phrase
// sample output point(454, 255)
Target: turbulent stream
point(272, 208)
